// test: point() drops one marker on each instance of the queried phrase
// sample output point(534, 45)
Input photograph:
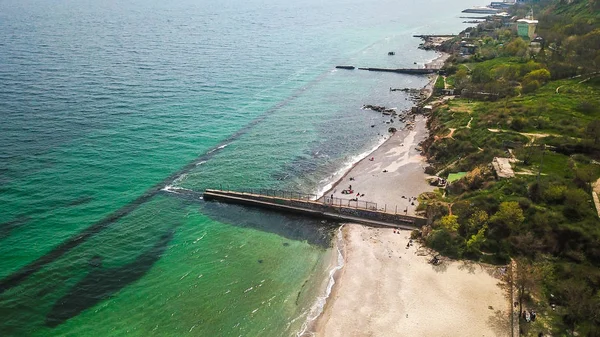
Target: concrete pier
point(337, 209)
point(412, 71)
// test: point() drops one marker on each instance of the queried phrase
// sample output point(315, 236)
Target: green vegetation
point(439, 83)
point(523, 103)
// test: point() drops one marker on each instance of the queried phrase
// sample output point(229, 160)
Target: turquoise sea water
point(107, 107)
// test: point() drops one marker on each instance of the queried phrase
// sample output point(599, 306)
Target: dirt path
point(595, 192)
point(532, 136)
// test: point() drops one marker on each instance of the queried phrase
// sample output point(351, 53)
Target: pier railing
point(355, 203)
point(310, 204)
point(293, 195)
point(272, 193)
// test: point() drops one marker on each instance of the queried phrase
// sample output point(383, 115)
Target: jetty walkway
point(336, 209)
point(411, 71)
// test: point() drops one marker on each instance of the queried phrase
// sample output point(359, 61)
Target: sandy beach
point(403, 178)
point(388, 289)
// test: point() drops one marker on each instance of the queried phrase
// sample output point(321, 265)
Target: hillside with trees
point(538, 106)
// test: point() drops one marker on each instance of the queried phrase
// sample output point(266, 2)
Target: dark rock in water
point(260, 261)
point(285, 244)
point(392, 129)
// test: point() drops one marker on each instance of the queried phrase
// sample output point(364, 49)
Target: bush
point(524, 203)
point(576, 203)
point(518, 124)
point(586, 107)
point(554, 193)
point(415, 234)
point(540, 75)
point(442, 241)
point(530, 86)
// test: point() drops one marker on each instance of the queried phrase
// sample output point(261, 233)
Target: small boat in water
point(391, 53)
point(345, 67)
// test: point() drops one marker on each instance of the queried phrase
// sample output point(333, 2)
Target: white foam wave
point(317, 308)
point(200, 238)
point(174, 189)
point(218, 148)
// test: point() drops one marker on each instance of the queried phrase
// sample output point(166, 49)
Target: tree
point(584, 176)
point(555, 193)
point(576, 203)
point(580, 300)
point(461, 79)
point(525, 280)
point(593, 130)
point(530, 86)
point(510, 215)
point(517, 47)
point(478, 220)
point(481, 74)
point(540, 75)
point(475, 242)
point(450, 223)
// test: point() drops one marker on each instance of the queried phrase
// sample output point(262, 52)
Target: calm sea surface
point(109, 108)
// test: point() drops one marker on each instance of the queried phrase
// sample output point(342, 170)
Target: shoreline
point(337, 272)
point(391, 159)
point(394, 172)
point(337, 262)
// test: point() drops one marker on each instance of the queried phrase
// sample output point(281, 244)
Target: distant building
point(467, 48)
point(526, 27)
point(502, 4)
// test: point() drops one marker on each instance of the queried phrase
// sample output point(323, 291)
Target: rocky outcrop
point(378, 108)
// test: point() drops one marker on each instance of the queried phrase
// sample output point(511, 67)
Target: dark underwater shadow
point(290, 226)
point(9, 226)
point(101, 283)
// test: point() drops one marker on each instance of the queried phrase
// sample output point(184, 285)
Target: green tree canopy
point(510, 215)
point(450, 223)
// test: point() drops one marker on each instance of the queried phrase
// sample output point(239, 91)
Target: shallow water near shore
point(103, 103)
